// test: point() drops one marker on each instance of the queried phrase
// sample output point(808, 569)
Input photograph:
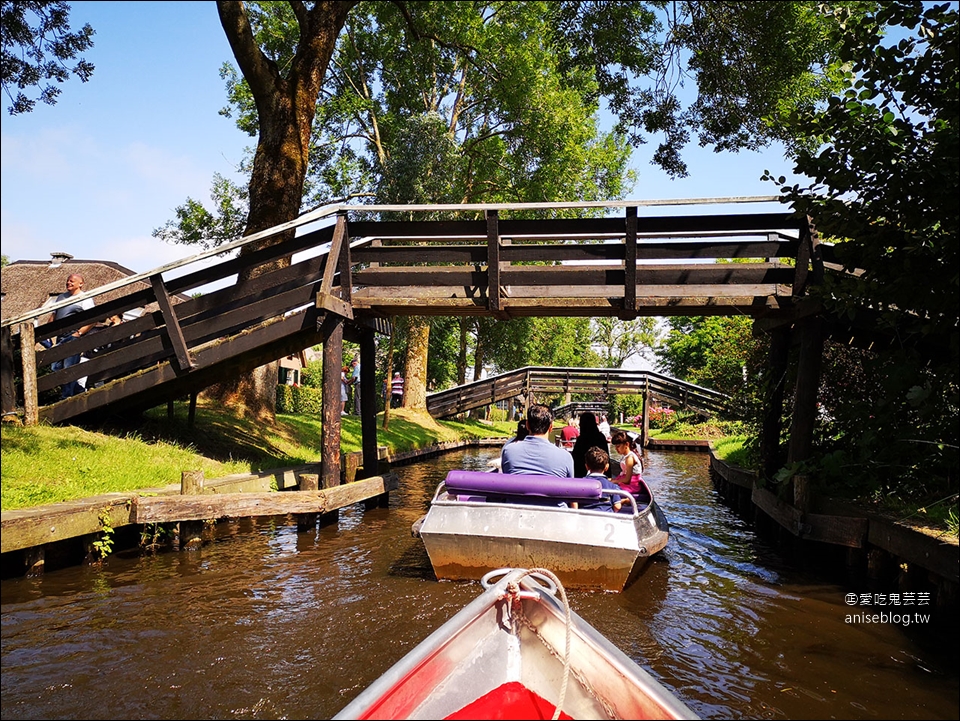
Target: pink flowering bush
point(659, 417)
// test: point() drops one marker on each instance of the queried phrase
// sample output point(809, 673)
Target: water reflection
point(268, 623)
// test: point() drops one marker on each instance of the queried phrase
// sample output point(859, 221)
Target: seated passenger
point(631, 464)
point(535, 454)
point(597, 462)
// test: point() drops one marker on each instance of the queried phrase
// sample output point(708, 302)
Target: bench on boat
point(521, 488)
point(482, 486)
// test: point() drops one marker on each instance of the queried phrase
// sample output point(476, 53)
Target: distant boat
point(481, 521)
point(516, 652)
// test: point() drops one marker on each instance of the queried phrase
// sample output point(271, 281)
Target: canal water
point(265, 623)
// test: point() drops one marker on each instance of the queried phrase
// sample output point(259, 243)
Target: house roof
point(28, 284)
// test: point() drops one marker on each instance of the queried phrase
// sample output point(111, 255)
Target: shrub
point(299, 399)
point(659, 418)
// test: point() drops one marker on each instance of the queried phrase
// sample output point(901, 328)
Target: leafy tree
point(38, 45)
point(4, 261)
point(516, 85)
point(753, 62)
point(618, 340)
point(713, 351)
point(884, 159)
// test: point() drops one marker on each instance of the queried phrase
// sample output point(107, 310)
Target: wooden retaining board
point(169, 509)
point(37, 526)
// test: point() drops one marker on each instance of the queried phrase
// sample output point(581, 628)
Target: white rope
point(513, 588)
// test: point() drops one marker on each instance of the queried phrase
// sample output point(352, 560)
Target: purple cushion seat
point(481, 482)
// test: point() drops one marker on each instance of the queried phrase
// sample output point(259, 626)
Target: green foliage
point(155, 535)
point(718, 352)
point(563, 342)
point(616, 341)
point(311, 376)
point(736, 450)
point(43, 465)
point(195, 225)
point(752, 63)
point(104, 543)
point(299, 400)
point(46, 465)
point(37, 46)
point(952, 521)
point(885, 165)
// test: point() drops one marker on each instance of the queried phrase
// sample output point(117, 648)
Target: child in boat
point(597, 462)
point(631, 465)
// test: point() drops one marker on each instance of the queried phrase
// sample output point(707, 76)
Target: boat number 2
point(609, 538)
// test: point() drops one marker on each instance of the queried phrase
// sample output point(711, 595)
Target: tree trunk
point(478, 358)
point(462, 357)
point(286, 105)
point(415, 383)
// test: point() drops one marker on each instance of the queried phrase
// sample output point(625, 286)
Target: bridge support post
point(7, 385)
point(191, 532)
point(332, 407)
point(805, 394)
point(645, 423)
point(368, 409)
point(28, 356)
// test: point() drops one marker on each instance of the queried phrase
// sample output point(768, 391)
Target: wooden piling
point(307, 521)
point(191, 532)
point(8, 391)
point(28, 356)
point(330, 429)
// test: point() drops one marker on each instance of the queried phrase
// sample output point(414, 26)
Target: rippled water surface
point(266, 623)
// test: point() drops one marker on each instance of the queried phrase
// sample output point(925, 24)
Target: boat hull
point(503, 647)
point(585, 549)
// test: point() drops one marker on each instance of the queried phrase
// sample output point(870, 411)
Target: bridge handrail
point(481, 392)
point(636, 373)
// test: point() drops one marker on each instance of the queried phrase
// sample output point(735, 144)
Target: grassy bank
point(45, 464)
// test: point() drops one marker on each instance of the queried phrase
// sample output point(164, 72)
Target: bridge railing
point(623, 266)
point(597, 382)
point(193, 343)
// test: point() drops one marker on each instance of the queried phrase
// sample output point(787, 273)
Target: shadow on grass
point(215, 434)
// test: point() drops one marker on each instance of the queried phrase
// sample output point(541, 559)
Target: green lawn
point(44, 464)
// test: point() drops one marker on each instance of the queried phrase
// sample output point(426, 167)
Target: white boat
point(516, 652)
point(481, 521)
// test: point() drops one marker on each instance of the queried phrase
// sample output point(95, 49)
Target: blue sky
point(94, 174)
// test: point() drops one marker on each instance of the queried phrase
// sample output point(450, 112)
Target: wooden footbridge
point(597, 383)
point(349, 277)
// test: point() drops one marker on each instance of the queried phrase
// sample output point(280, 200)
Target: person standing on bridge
point(535, 454)
point(74, 287)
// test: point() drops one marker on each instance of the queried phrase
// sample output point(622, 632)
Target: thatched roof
point(28, 284)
